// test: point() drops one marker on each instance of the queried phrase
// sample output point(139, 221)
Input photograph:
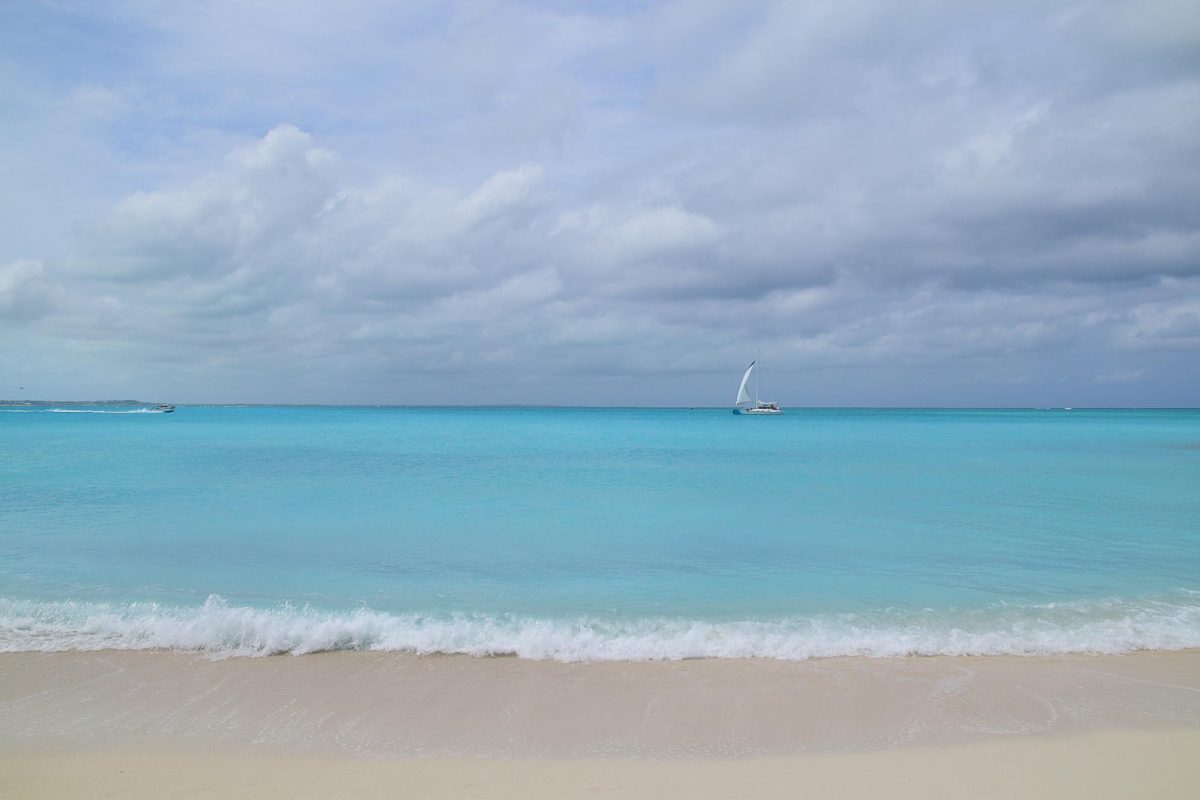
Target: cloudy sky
point(903, 203)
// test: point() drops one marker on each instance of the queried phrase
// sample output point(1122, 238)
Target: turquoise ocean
point(581, 534)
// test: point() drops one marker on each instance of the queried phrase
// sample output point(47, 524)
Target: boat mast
point(757, 372)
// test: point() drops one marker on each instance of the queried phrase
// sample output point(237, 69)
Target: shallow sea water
point(600, 533)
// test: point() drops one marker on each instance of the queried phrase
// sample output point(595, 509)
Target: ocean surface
point(580, 534)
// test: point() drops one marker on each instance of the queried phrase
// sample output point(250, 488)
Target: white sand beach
point(161, 724)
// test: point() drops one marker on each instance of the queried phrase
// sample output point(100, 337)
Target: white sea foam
point(220, 628)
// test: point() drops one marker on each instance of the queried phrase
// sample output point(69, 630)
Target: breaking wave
point(220, 628)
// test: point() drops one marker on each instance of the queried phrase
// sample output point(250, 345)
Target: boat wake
point(82, 411)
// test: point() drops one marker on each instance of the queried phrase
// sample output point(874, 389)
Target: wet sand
point(170, 724)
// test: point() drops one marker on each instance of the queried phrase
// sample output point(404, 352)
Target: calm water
point(573, 533)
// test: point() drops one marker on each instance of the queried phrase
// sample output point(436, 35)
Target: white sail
point(743, 395)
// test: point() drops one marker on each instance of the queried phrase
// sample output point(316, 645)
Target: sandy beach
point(162, 724)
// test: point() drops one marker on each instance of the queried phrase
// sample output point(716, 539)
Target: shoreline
point(361, 724)
point(1169, 621)
point(388, 704)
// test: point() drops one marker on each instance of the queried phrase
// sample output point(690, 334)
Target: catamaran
point(752, 405)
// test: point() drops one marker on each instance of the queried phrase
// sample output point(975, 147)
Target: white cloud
point(26, 292)
point(914, 202)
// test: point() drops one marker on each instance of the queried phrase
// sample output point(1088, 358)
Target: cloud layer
point(934, 205)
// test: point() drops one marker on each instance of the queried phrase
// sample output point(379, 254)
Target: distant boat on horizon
point(752, 405)
point(164, 408)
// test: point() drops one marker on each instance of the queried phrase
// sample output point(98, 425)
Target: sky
point(895, 203)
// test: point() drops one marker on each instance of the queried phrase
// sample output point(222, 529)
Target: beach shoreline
point(457, 725)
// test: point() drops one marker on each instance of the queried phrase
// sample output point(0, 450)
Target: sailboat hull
point(758, 411)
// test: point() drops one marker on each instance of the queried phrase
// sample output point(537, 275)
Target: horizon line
point(567, 406)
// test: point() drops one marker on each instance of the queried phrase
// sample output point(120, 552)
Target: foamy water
point(219, 628)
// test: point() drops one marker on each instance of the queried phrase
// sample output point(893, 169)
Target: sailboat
point(752, 405)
